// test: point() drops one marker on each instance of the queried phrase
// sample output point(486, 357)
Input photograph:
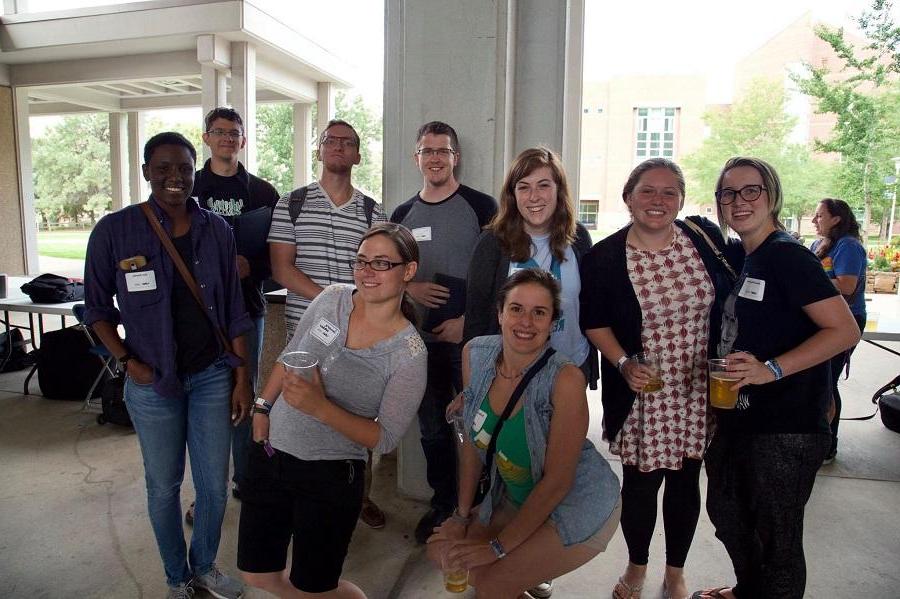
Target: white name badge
point(325, 331)
point(140, 281)
point(480, 417)
point(422, 233)
point(753, 289)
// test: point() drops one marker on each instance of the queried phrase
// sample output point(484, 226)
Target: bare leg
point(675, 586)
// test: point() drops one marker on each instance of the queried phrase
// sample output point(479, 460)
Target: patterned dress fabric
point(675, 295)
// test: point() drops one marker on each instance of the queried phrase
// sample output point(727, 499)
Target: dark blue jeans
point(444, 382)
point(202, 423)
point(241, 434)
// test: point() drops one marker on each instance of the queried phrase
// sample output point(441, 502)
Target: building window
point(655, 133)
point(587, 213)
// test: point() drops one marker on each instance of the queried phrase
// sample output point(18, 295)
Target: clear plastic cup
point(720, 382)
point(300, 363)
point(456, 578)
point(650, 360)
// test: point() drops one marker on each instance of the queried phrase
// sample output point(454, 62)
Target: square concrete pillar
point(118, 159)
point(137, 187)
point(302, 143)
point(243, 97)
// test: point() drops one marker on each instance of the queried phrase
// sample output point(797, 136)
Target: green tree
point(71, 169)
point(864, 95)
point(758, 125)
point(193, 132)
point(275, 150)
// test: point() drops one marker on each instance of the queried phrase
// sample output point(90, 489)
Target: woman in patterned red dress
point(653, 286)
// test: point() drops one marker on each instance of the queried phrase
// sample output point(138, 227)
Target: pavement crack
point(107, 485)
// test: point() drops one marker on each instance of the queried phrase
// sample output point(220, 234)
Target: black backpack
point(298, 198)
point(65, 367)
point(12, 351)
point(53, 289)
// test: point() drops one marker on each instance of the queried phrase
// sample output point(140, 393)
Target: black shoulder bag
point(484, 483)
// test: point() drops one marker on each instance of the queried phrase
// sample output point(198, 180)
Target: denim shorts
point(315, 503)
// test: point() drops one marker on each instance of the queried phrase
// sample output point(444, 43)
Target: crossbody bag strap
point(511, 404)
point(183, 270)
point(715, 250)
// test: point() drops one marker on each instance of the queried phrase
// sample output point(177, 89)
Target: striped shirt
point(326, 237)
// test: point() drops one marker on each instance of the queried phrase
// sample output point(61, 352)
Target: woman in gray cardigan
point(534, 227)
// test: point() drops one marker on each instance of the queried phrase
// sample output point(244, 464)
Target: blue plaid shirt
point(147, 313)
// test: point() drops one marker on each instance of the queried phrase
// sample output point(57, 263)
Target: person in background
point(781, 324)
point(183, 389)
point(305, 479)
point(656, 286)
point(553, 503)
point(314, 247)
point(446, 219)
point(843, 257)
point(224, 186)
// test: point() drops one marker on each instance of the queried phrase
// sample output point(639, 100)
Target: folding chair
point(99, 350)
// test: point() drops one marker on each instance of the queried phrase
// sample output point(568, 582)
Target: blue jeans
point(202, 422)
point(241, 434)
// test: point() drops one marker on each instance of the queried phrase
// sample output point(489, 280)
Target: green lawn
point(63, 244)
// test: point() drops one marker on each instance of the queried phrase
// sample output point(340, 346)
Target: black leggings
point(837, 364)
point(681, 510)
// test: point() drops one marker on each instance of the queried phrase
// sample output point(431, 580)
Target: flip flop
point(633, 592)
point(715, 593)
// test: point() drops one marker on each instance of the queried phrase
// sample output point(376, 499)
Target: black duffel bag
point(53, 289)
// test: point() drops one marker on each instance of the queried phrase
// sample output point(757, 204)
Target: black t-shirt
point(228, 197)
point(195, 340)
point(779, 278)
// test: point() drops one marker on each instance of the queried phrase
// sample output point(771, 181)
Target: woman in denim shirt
point(553, 502)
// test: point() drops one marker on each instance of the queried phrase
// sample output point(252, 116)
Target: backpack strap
point(295, 203)
point(369, 207)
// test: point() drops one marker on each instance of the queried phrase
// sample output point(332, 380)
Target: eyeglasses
point(331, 141)
point(378, 264)
point(233, 134)
point(429, 152)
point(750, 193)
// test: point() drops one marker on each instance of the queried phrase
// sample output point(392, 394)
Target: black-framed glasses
point(233, 134)
point(749, 193)
point(330, 141)
point(429, 152)
point(377, 264)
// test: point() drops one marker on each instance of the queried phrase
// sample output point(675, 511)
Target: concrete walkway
point(73, 517)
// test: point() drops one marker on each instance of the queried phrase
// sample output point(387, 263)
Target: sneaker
point(182, 591)
point(829, 458)
point(371, 514)
point(432, 518)
point(219, 585)
point(189, 515)
point(542, 591)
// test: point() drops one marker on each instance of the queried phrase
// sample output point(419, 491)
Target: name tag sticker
point(422, 233)
point(480, 417)
point(325, 331)
point(753, 289)
point(140, 281)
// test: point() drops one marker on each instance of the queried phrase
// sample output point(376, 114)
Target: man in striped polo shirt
point(314, 235)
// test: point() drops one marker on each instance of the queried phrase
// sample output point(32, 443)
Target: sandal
point(631, 592)
point(715, 593)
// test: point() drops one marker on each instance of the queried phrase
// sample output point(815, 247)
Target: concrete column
point(213, 94)
point(26, 182)
point(325, 106)
point(243, 97)
point(302, 143)
point(12, 7)
point(137, 187)
point(513, 80)
point(118, 159)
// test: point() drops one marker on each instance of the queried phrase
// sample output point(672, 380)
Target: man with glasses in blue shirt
point(315, 233)
point(446, 219)
point(224, 186)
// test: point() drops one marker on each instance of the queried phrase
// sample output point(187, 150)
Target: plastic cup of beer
point(300, 363)
point(720, 383)
point(456, 578)
point(872, 322)
point(650, 360)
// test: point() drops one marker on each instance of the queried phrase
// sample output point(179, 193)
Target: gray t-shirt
point(384, 382)
point(447, 232)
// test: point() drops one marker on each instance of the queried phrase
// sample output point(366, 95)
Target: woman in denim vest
point(553, 502)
